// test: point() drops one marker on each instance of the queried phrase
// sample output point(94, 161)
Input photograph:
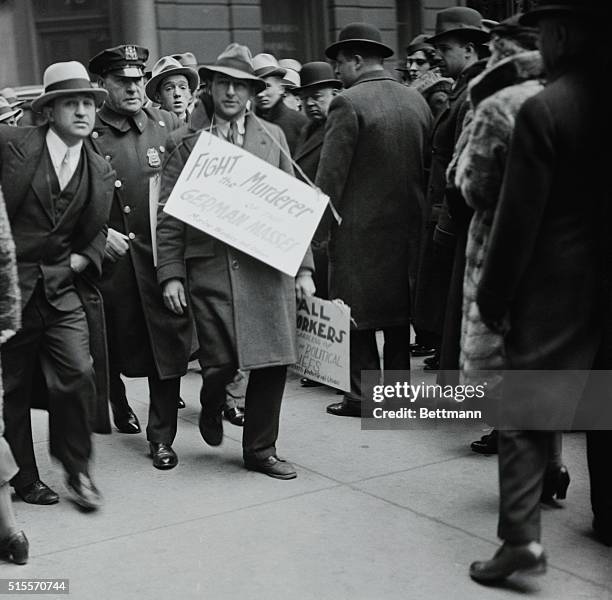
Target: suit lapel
point(41, 184)
point(312, 142)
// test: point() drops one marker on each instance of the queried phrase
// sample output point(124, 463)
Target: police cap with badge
point(124, 61)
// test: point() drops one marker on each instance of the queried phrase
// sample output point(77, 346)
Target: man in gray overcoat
point(372, 169)
point(244, 310)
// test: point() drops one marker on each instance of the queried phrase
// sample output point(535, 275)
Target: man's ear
point(359, 62)
point(470, 50)
point(47, 112)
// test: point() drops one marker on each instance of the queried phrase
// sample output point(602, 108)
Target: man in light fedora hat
point(269, 101)
point(172, 86)
point(144, 338)
point(220, 283)
point(58, 193)
point(458, 37)
point(372, 128)
point(8, 114)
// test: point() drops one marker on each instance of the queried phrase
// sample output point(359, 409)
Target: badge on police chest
point(153, 156)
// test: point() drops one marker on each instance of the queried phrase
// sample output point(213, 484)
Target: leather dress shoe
point(305, 382)
point(508, 560)
point(83, 491)
point(181, 403)
point(345, 409)
point(211, 429)
point(234, 415)
point(37, 493)
point(15, 548)
point(164, 457)
point(602, 533)
point(272, 466)
point(420, 350)
point(487, 444)
point(127, 422)
point(556, 482)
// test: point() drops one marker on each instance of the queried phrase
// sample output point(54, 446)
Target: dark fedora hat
point(317, 73)
point(359, 33)
point(459, 20)
point(235, 61)
point(587, 8)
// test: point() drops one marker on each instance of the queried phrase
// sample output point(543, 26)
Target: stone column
point(139, 25)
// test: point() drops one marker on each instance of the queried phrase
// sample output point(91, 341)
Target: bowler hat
point(126, 61)
point(235, 61)
point(66, 79)
point(7, 111)
point(318, 73)
point(459, 20)
point(11, 97)
point(266, 65)
point(568, 7)
point(165, 67)
point(359, 34)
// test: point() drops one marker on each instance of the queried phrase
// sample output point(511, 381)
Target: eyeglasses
point(419, 62)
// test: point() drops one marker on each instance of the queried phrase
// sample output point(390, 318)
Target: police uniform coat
point(372, 169)
point(251, 308)
point(134, 147)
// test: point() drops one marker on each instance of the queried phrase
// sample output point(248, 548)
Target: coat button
point(118, 183)
point(162, 149)
point(162, 123)
point(127, 210)
point(107, 157)
point(234, 264)
point(95, 135)
point(132, 235)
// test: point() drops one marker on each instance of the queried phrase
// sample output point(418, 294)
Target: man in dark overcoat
point(458, 36)
point(270, 103)
point(541, 280)
point(244, 310)
point(144, 339)
point(372, 169)
point(58, 194)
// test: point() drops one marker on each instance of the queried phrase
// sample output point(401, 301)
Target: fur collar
point(509, 71)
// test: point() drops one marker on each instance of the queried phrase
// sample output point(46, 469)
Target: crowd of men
point(462, 204)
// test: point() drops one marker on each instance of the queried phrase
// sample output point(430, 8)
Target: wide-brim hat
point(290, 63)
point(236, 62)
point(187, 59)
point(587, 8)
point(11, 97)
point(266, 65)
point(64, 79)
point(7, 111)
point(317, 74)
point(359, 34)
point(461, 21)
point(291, 80)
point(165, 67)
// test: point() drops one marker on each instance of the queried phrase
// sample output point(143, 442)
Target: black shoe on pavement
point(602, 533)
point(37, 493)
point(234, 415)
point(508, 560)
point(15, 548)
point(486, 445)
point(421, 350)
point(211, 429)
point(305, 382)
point(345, 409)
point(83, 491)
point(181, 403)
point(127, 422)
point(272, 466)
point(164, 457)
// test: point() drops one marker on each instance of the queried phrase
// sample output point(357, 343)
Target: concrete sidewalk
point(373, 515)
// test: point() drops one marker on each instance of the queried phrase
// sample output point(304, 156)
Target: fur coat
point(496, 96)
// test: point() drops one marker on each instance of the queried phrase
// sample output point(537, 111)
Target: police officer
point(144, 338)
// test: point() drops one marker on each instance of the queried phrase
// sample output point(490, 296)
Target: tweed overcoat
point(372, 168)
point(496, 97)
point(149, 339)
point(543, 270)
point(251, 304)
